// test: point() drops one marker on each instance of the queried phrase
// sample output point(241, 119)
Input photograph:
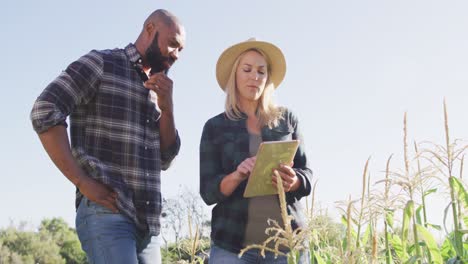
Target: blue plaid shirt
point(114, 129)
point(224, 145)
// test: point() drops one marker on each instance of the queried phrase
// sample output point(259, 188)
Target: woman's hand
point(245, 168)
point(231, 181)
point(288, 177)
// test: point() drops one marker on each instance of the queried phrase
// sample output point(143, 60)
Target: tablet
point(270, 155)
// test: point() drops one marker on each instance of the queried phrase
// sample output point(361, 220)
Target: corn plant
point(388, 213)
point(192, 245)
point(409, 182)
point(354, 244)
point(444, 159)
point(324, 234)
point(282, 236)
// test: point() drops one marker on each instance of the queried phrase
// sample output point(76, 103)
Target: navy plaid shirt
point(224, 145)
point(114, 129)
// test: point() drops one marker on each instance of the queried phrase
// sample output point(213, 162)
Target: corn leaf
point(436, 227)
point(426, 193)
point(318, 258)
point(366, 236)
point(412, 260)
point(431, 244)
point(418, 215)
point(397, 245)
point(407, 214)
point(447, 250)
point(389, 218)
point(460, 190)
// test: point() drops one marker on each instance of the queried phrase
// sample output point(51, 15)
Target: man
point(122, 134)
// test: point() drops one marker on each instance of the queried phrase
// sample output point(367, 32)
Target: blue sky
point(354, 68)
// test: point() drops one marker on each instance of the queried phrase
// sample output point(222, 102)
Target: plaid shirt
point(224, 145)
point(114, 129)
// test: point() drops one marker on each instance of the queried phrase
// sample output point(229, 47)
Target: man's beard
point(155, 59)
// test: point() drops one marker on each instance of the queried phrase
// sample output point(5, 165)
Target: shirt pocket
point(281, 133)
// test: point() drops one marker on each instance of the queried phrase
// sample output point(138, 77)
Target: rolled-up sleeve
point(211, 173)
point(168, 155)
point(301, 167)
point(74, 86)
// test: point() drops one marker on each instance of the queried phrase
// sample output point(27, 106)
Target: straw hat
point(275, 60)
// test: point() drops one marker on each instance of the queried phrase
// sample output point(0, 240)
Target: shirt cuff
point(300, 192)
point(44, 116)
point(169, 154)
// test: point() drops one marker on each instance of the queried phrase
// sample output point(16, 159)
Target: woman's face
point(251, 76)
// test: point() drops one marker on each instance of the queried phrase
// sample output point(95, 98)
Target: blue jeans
point(219, 255)
point(112, 238)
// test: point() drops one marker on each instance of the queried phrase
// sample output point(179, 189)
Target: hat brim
point(276, 61)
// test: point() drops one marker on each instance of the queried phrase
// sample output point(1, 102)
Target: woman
point(248, 72)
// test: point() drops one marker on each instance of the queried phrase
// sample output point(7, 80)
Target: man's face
point(156, 60)
point(165, 47)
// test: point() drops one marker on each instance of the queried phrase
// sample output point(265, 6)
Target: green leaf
point(426, 193)
point(407, 214)
point(412, 260)
point(447, 250)
point(418, 215)
point(460, 190)
point(436, 227)
point(366, 236)
point(431, 244)
point(318, 258)
point(397, 245)
point(389, 218)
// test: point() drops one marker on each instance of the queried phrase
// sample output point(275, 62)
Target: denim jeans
point(219, 255)
point(112, 238)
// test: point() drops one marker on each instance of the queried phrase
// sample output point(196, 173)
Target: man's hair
point(267, 112)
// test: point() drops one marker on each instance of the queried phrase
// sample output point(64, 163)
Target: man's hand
point(98, 193)
point(162, 85)
point(55, 142)
point(288, 177)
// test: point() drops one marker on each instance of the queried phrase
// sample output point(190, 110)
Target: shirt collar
point(132, 53)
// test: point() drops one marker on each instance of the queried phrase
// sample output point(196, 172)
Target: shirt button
point(146, 147)
point(147, 202)
point(147, 174)
point(147, 120)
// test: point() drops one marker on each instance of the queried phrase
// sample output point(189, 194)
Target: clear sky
point(354, 68)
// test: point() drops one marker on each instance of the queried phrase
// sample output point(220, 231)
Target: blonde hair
point(267, 112)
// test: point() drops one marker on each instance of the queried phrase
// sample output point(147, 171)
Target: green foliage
point(31, 246)
point(8, 256)
point(53, 243)
point(430, 244)
point(446, 250)
point(169, 255)
point(173, 253)
point(66, 238)
point(407, 215)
